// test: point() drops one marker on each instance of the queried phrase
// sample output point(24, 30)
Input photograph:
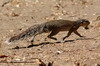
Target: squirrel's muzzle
point(86, 28)
point(85, 23)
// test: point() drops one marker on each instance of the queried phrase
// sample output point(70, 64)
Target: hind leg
point(52, 34)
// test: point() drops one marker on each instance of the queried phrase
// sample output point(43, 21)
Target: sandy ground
point(18, 15)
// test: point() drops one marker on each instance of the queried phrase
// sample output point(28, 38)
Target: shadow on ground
point(46, 43)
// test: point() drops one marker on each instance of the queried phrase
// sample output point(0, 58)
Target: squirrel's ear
point(80, 20)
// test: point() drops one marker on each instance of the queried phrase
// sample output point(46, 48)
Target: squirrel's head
point(83, 22)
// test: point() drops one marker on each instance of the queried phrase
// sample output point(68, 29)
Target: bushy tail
point(33, 30)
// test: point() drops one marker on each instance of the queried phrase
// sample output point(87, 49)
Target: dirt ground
point(18, 15)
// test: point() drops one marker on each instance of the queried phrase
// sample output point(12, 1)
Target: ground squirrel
point(53, 26)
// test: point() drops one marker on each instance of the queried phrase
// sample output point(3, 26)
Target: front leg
point(78, 34)
point(69, 33)
point(74, 28)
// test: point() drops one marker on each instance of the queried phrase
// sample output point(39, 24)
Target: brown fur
point(53, 26)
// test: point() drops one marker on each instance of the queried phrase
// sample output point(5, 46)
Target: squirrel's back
point(59, 24)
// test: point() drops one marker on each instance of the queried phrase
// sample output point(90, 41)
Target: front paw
point(64, 38)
